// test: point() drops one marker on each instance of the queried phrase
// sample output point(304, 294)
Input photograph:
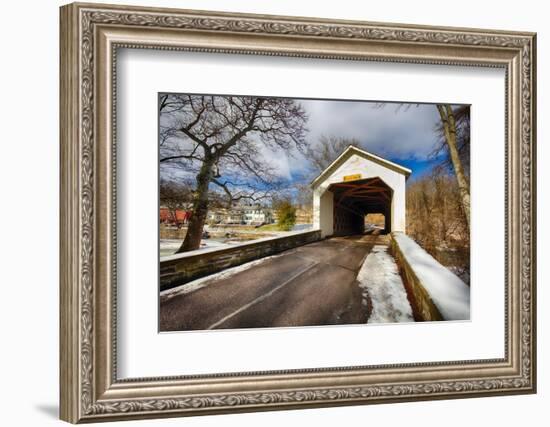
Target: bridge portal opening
point(375, 221)
point(355, 200)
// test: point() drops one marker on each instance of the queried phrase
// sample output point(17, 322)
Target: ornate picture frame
point(90, 37)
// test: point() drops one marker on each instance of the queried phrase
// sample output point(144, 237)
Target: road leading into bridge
point(314, 284)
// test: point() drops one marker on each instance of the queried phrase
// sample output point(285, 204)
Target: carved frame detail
point(89, 387)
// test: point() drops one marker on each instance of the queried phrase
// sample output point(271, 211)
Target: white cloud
point(279, 161)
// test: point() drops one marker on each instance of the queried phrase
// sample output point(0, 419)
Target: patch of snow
point(380, 280)
point(369, 227)
point(302, 227)
point(170, 243)
point(205, 281)
point(168, 247)
point(450, 294)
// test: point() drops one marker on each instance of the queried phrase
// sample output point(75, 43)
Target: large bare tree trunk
point(202, 130)
point(195, 228)
point(449, 128)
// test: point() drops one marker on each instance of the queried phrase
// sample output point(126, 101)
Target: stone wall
point(423, 305)
point(177, 270)
point(435, 292)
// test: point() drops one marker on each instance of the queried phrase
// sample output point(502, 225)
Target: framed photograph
point(267, 212)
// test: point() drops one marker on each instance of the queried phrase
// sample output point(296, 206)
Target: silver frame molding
point(90, 36)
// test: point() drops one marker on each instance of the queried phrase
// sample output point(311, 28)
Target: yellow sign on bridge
point(353, 177)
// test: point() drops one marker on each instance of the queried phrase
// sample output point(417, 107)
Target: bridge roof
point(351, 151)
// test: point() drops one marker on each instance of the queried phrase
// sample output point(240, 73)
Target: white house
point(355, 184)
point(257, 215)
point(241, 215)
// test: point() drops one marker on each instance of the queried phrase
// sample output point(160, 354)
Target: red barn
point(167, 216)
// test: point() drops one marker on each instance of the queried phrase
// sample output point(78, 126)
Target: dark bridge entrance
point(353, 200)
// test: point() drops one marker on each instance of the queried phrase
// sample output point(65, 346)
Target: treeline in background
point(435, 219)
point(438, 203)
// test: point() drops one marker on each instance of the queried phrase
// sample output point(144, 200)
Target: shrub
point(286, 214)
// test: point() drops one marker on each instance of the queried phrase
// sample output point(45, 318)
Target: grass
point(269, 227)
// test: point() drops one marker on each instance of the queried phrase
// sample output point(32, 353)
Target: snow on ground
point(450, 294)
point(205, 281)
point(170, 246)
point(380, 280)
point(302, 227)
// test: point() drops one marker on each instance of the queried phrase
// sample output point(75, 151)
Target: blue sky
point(419, 167)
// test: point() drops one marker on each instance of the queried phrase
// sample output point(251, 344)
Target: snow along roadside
point(450, 295)
point(379, 279)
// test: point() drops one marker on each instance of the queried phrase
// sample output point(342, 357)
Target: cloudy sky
point(404, 134)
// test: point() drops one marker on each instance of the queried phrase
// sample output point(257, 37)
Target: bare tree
point(327, 150)
point(435, 219)
point(462, 120)
point(226, 141)
point(451, 133)
point(455, 131)
point(320, 156)
point(303, 194)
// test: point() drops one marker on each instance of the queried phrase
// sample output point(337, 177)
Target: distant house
point(225, 216)
point(234, 216)
point(257, 215)
point(250, 215)
point(217, 216)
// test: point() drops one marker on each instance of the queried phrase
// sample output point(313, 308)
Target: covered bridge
point(358, 183)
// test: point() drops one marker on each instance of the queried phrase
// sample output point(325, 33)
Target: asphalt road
point(310, 285)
